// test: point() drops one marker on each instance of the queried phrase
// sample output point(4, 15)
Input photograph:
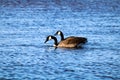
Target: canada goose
point(67, 43)
point(72, 39)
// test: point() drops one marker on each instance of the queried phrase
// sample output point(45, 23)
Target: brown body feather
point(71, 42)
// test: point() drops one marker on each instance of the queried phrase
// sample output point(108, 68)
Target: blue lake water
point(24, 56)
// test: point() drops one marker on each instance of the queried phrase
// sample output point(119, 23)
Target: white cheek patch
point(59, 33)
point(50, 38)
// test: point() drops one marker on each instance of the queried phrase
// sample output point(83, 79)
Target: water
point(24, 56)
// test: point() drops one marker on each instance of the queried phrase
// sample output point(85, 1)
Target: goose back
point(72, 42)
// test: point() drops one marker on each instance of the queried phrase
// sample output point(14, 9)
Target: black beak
point(45, 41)
point(55, 34)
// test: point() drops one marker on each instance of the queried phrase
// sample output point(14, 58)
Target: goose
point(72, 39)
point(69, 43)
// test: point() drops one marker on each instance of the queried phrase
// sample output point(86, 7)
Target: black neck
point(62, 36)
point(55, 41)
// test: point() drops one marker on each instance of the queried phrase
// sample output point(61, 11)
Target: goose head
point(60, 33)
point(50, 37)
